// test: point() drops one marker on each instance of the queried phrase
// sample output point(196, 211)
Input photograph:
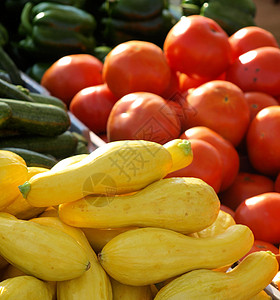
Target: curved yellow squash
point(183, 204)
point(151, 255)
point(115, 168)
point(40, 250)
point(94, 283)
point(19, 207)
point(243, 282)
point(13, 172)
point(68, 161)
point(181, 152)
point(24, 287)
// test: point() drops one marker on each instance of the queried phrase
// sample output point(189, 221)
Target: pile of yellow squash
point(109, 225)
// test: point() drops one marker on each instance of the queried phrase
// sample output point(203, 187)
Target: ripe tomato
point(257, 70)
point(219, 105)
point(249, 38)
point(143, 116)
point(261, 214)
point(71, 73)
point(257, 101)
point(277, 183)
point(92, 106)
point(206, 164)
point(136, 66)
point(262, 246)
point(197, 46)
point(263, 141)
point(245, 185)
point(228, 153)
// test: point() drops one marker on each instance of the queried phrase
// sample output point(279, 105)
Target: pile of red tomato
point(220, 92)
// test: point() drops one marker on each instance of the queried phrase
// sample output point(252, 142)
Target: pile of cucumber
point(36, 126)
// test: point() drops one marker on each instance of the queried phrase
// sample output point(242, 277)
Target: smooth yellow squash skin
point(183, 204)
point(243, 282)
point(25, 287)
point(94, 283)
point(114, 168)
point(40, 250)
point(151, 255)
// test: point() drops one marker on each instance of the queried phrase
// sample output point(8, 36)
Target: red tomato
point(92, 106)
point(206, 164)
point(250, 38)
point(227, 210)
point(136, 66)
point(245, 185)
point(257, 70)
point(172, 90)
point(219, 105)
point(277, 183)
point(257, 101)
point(262, 246)
point(261, 214)
point(228, 153)
point(263, 141)
point(143, 116)
point(70, 74)
point(197, 46)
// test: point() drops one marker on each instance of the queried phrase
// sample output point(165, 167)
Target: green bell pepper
point(53, 30)
point(231, 15)
point(134, 10)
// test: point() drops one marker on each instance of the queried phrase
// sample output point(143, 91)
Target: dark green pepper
point(134, 10)
point(53, 30)
point(152, 30)
point(231, 15)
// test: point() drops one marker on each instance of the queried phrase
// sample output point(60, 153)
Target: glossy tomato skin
point(257, 70)
point(257, 101)
point(263, 141)
point(197, 46)
point(220, 106)
point(262, 246)
point(245, 185)
point(136, 66)
point(144, 116)
point(261, 214)
point(206, 164)
point(249, 38)
point(70, 74)
point(228, 153)
point(92, 106)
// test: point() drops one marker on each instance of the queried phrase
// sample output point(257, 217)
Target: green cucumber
point(48, 99)
point(60, 146)
point(36, 118)
point(12, 91)
point(5, 113)
point(33, 158)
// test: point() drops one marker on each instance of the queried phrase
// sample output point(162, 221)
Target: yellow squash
point(25, 287)
point(68, 161)
point(19, 207)
point(151, 255)
point(94, 283)
point(222, 222)
point(128, 292)
point(181, 152)
point(243, 282)
point(114, 168)
point(13, 172)
point(40, 250)
point(98, 238)
point(183, 204)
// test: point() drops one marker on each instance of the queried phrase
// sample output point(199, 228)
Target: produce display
point(180, 198)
